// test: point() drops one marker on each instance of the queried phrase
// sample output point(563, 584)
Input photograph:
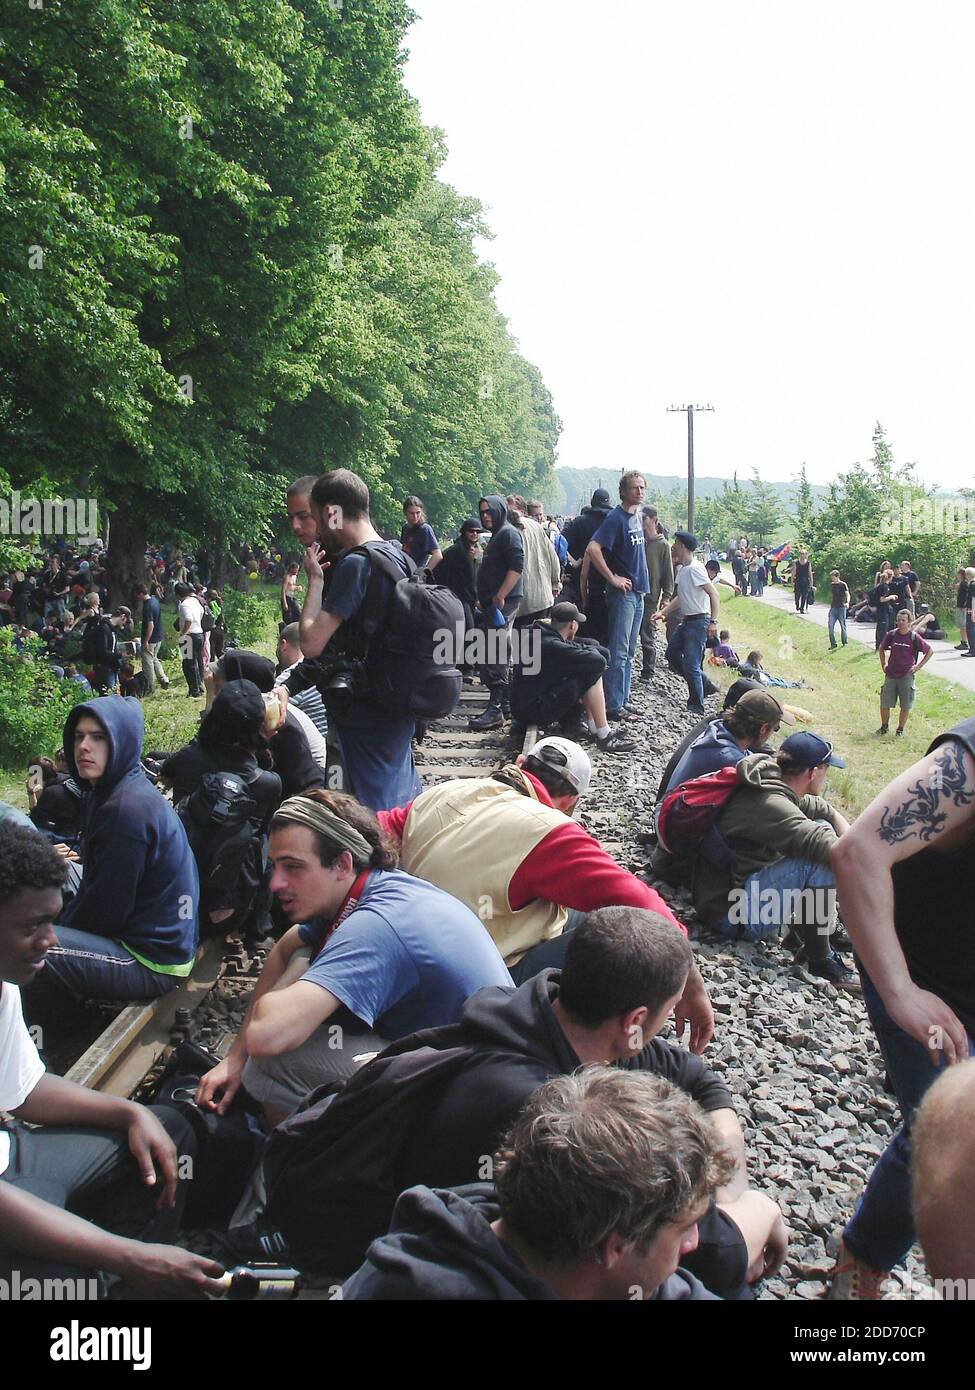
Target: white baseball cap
point(567, 759)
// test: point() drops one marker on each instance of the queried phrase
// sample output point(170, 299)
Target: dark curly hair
point(385, 854)
point(27, 860)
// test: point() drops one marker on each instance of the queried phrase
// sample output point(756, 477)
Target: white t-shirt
point(690, 589)
point(316, 744)
point(191, 611)
point(20, 1065)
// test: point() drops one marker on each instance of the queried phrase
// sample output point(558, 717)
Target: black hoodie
point(523, 1046)
point(505, 551)
point(440, 1246)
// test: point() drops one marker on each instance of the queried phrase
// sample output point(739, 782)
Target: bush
point(33, 703)
point(247, 616)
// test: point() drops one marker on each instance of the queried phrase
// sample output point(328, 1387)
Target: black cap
point(686, 539)
point(471, 524)
point(247, 666)
point(600, 498)
point(567, 613)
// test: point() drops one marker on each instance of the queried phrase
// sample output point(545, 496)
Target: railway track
point(120, 1058)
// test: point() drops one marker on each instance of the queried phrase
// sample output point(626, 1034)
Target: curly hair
point(27, 860)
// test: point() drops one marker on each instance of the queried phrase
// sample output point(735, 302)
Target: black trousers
point(91, 1173)
point(193, 666)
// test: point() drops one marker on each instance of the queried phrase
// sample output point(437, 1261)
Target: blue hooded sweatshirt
point(140, 885)
point(713, 749)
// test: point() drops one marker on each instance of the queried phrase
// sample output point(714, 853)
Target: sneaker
point(852, 1280)
point(899, 734)
point(692, 708)
point(883, 730)
point(961, 646)
point(615, 742)
point(836, 973)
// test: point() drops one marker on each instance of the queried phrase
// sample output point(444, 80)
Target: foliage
point(247, 616)
point(33, 704)
point(225, 259)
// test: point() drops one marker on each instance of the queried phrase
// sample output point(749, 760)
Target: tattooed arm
point(932, 803)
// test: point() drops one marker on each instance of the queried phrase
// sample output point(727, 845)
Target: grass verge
point(843, 695)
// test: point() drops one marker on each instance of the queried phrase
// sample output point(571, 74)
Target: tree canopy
point(226, 259)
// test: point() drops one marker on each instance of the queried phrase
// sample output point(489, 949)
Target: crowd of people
point(458, 1016)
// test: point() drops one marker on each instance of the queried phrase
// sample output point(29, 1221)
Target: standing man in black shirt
point(905, 873)
point(802, 581)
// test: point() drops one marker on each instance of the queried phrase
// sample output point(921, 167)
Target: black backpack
point(97, 646)
point(331, 1168)
point(222, 824)
point(408, 631)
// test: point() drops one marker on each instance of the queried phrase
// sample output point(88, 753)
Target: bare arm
point(727, 1124)
point(285, 1018)
point(712, 594)
point(316, 629)
point(931, 804)
point(594, 553)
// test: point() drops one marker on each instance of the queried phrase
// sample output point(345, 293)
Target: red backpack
point(688, 815)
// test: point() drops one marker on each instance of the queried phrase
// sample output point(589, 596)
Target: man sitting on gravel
point(743, 728)
point(625, 970)
point(567, 685)
point(111, 1161)
point(778, 833)
point(507, 846)
point(376, 956)
point(906, 881)
point(598, 1192)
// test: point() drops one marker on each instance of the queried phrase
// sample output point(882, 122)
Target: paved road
point(946, 662)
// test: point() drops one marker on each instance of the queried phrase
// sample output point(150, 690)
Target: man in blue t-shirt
point(152, 636)
point(378, 955)
point(376, 744)
point(418, 538)
point(618, 552)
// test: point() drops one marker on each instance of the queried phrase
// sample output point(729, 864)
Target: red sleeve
point(394, 821)
point(570, 868)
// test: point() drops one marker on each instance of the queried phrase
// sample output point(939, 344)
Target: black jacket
point(506, 551)
point(457, 572)
point(560, 660)
point(441, 1246)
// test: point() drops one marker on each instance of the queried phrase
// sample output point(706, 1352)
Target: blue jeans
point(685, 653)
point(751, 919)
point(881, 1230)
point(625, 617)
point(837, 615)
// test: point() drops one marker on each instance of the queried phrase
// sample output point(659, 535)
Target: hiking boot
point(615, 742)
point(709, 687)
point(492, 718)
point(882, 730)
point(575, 731)
point(645, 676)
point(833, 970)
point(692, 708)
point(852, 1280)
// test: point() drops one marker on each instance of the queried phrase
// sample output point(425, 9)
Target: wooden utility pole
point(691, 409)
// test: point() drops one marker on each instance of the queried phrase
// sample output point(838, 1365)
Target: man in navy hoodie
point(598, 1191)
point(131, 932)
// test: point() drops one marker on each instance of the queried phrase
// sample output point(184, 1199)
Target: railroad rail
point(119, 1059)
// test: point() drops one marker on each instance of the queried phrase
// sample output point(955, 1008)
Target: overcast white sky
point(762, 204)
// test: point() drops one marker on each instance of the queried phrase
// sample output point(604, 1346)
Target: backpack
point(97, 645)
point(207, 621)
point(331, 1168)
point(402, 629)
point(221, 821)
point(687, 818)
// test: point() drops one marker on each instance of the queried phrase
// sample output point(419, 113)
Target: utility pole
point(691, 409)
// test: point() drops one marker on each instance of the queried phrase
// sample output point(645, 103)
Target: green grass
point(843, 696)
point(171, 717)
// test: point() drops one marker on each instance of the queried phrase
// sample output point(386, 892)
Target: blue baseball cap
point(809, 750)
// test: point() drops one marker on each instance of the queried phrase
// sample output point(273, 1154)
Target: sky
point(764, 205)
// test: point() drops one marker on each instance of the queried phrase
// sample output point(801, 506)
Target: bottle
point(260, 1282)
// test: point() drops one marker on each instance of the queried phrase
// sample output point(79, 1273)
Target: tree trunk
point(127, 554)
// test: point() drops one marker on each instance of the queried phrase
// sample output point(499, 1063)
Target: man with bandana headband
point(375, 955)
